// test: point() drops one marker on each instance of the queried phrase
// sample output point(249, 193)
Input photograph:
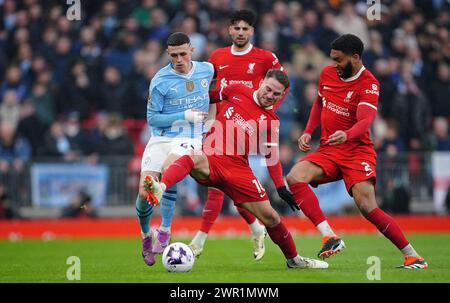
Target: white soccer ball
point(178, 257)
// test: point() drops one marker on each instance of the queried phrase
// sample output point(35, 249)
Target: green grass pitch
point(223, 260)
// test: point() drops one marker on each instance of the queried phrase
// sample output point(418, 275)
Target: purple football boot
point(149, 256)
point(162, 240)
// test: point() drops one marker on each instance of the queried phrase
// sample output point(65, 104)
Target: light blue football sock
point(167, 207)
point(144, 211)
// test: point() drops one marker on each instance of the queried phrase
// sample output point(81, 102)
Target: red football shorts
point(234, 178)
point(353, 165)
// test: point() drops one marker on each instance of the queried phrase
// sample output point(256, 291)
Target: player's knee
point(142, 195)
point(271, 219)
point(365, 199)
point(297, 176)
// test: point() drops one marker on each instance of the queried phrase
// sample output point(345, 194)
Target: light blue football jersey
point(171, 94)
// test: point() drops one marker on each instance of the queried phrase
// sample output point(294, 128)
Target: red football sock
point(177, 171)
point(248, 216)
point(212, 208)
point(387, 226)
point(283, 238)
point(307, 201)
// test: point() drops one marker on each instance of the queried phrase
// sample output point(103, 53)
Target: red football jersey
point(248, 67)
point(242, 127)
point(341, 98)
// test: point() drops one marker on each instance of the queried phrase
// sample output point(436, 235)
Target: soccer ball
point(178, 257)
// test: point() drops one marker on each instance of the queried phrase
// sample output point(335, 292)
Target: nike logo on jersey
point(326, 87)
point(262, 195)
point(173, 88)
point(236, 98)
point(223, 66)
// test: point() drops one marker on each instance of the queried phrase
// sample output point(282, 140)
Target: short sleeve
point(369, 93)
point(273, 62)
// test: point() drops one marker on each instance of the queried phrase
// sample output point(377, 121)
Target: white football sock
point(164, 229)
point(256, 228)
point(408, 250)
point(145, 235)
point(199, 239)
point(325, 229)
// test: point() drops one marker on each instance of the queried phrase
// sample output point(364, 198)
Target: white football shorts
point(158, 148)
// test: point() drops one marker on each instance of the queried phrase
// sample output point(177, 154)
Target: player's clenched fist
point(303, 142)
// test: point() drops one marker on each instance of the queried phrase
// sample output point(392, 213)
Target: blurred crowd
point(72, 89)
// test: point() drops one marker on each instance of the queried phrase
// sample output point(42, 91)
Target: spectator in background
point(113, 95)
point(388, 88)
point(9, 14)
point(326, 32)
point(78, 136)
point(280, 15)
point(142, 14)
point(76, 94)
point(10, 108)
point(440, 138)
point(32, 128)
point(38, 65)
point(62, 59)
point(108, 19)
point(305, 102)
point(159, 30)
point(80, 207)
point(24, 60)
point(411, 107)
point(396, 198)
point(145, 67)
point(7, 211)
point(191, 8)
point(291, 39)
point(44, 104)
point(114, 140)
point(58, 144)
point(392, 138)
point(121, 55)
point(46, 47)
point(348, 22)
point(13, 81)
point(376, 51)
point(15, 150)
point(440, 91)
point(268, 31)
point(198, 40)
point(90, 51)
point(309, 57)
point(36, 23)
